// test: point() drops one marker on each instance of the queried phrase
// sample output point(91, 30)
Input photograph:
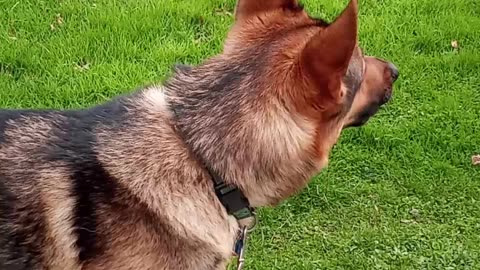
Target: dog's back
point(22, 226)
point(50, 180)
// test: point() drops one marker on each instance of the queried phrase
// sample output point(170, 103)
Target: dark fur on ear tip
point(297, 7)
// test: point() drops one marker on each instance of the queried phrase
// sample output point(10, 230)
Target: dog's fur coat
point(123, 185)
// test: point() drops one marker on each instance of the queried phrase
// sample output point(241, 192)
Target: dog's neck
point(250, 140)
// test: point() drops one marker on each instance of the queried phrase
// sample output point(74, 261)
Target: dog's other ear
point(327, 54)
point(247, 8)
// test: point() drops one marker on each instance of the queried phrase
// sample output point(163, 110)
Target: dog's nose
point(394, 71)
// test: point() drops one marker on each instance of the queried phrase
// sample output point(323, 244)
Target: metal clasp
point(240, 247)
point(247, 225)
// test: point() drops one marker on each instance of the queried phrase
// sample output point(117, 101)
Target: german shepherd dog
point(128, 184)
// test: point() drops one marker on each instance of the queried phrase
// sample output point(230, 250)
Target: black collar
point(231, 197)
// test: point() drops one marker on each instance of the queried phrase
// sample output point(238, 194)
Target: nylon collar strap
point(231, 197)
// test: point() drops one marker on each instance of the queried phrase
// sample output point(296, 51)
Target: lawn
point(400, 193)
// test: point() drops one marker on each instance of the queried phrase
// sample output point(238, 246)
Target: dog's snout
point(394, 71)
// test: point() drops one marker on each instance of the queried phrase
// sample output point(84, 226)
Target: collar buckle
point(234, 201)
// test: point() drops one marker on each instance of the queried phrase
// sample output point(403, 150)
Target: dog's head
point(275, 101)
point(325, 74)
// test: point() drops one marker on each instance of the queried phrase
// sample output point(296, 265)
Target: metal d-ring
point(253, 225)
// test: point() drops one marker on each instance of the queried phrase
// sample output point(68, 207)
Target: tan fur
point(25, 133)
point(58, 205)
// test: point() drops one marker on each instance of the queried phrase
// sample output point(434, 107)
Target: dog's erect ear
point(326, 56)
point(246, 8)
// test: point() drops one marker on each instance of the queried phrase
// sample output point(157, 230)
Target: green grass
point(400, 193)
